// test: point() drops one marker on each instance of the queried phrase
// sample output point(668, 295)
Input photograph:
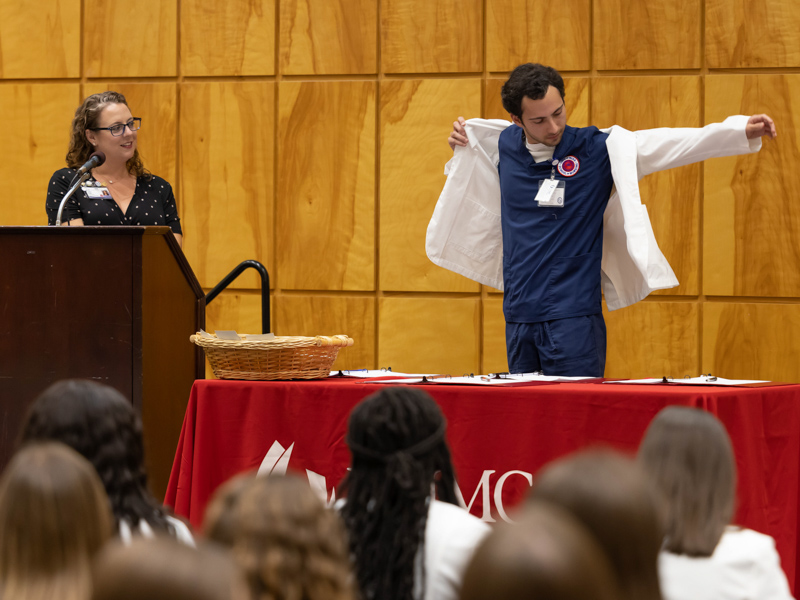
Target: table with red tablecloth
point(500, 436)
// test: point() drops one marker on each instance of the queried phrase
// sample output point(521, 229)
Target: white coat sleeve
point(667, 148)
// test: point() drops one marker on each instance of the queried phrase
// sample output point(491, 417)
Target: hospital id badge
point(97, 192)
point(554, 195)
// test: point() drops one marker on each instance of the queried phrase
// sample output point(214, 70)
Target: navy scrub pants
point(571, 347)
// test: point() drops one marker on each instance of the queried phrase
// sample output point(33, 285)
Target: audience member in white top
point(98, 422)
point(609, 494)
point(545, 553)
point(687, 455)
point(54, 518)
point(405, 545)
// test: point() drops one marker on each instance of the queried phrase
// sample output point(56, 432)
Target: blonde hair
point(54, 517)
point(220, 521)
point(688, 457)
point(86, 117)
point(289, 544)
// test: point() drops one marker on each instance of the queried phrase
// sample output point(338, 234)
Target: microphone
point(95, 160)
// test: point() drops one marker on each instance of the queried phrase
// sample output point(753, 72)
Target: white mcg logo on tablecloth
point(276, 462)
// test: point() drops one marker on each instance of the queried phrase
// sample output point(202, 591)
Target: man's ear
point(515, 120)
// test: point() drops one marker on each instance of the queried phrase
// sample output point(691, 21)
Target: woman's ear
point(91, 136)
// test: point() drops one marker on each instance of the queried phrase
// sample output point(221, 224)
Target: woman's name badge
point(551, 193)
point(97, 191)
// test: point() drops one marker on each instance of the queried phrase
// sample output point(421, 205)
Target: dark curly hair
point(531, 80)
point(86, 117)
point(289, 544)
point(396, 437)
point(99, 423)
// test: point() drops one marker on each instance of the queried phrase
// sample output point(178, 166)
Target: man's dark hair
point(531, 80)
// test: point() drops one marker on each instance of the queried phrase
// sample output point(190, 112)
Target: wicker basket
point(284, 357)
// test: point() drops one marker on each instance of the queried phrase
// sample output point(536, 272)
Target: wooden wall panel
point(416, 118)
point(157, 105)
point(672, 197)
point(552, 33)
point(419, 36)
point(630, 34)
point(33, 143)
point(751, 220)
point(752, 341)
point(227, 38)
point(653, 339)
point(326, 185)
point(325, 37)
point(130, 38)
point(332, 315)
point(226, 177)
point(494, 336)
point(756, 33)
point(40, 39)
point(421, 335)
point(576, 98)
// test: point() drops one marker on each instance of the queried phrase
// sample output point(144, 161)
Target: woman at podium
point(119, 191)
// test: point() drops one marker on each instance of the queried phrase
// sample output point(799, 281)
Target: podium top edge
point(84, 230)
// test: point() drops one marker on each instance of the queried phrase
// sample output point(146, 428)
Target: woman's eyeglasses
point(117, 130)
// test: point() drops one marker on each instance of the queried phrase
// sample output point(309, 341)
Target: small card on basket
point(227, 335)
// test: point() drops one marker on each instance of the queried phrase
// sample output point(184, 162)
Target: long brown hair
point(164, 569)
point(687, 455)
point(545, 553)
point(289, 544)
point(86, 117)
point(609, 494)
point(54, 517)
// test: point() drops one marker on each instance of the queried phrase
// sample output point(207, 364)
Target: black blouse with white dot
point(153, 203)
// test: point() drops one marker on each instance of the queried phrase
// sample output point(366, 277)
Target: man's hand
point(458, 137)
point(757, 126)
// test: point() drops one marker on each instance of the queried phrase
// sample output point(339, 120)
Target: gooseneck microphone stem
point(69, 193)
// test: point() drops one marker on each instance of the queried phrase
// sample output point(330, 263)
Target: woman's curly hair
point(86, 117)
point(289, 544)
point(396, 437)
point(99, 423)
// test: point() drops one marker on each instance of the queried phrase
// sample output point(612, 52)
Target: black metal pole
point(228, 279)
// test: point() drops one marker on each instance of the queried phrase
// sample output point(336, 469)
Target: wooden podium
point(113, 304)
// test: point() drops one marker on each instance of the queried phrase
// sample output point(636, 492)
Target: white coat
point(464, 234)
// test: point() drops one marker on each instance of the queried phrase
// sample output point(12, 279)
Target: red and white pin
point(569, 166)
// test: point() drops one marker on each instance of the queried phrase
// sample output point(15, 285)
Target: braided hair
point(396, 437)
point(98, 422)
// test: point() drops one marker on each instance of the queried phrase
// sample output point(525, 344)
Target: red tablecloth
point(499, 436)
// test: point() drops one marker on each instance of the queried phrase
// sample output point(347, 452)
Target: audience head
point(98, 422)
point(399, 452)
point(609, 495)
point(54, 517)
point(289, 544)
point(687, 455)
point(546, 553)
point(220, 522)
point(163, 569)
